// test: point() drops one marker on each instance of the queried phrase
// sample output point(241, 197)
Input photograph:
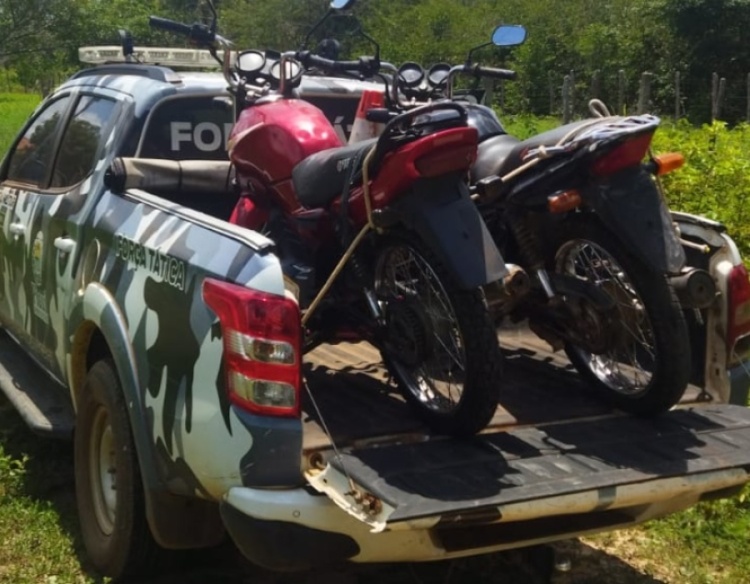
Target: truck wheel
point(109, 492)
point(645, 365)
point(439, 343)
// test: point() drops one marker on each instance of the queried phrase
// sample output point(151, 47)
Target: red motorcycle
point(380, 241)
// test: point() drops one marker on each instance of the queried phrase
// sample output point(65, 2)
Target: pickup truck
point(127, 304)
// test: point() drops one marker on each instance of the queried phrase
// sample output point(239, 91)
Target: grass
point(38, 541)
point(14, 110)
point(706, 544)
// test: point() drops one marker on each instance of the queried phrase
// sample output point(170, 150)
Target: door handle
point(65, 244)
point(17, 228)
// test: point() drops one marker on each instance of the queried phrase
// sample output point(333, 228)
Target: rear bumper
point(296, 530)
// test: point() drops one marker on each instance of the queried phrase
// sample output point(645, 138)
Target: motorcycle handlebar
point(491, 72)
point(169, 25)
point(196, 32)
point(309, 59)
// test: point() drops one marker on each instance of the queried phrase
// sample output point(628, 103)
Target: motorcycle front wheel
point(439, 343)
point(646, 365)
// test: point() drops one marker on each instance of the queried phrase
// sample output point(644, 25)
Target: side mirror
point(509, 35)
point(341, 4)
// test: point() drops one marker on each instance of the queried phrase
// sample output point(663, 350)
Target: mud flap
point(630, 206)
point(442, 213)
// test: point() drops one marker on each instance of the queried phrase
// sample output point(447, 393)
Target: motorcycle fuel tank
point(270, 139)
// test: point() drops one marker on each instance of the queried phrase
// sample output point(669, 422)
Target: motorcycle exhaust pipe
point(517, 283)
point(695, 288)
point(512, 288)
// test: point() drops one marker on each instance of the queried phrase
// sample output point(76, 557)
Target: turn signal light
point(667, 162)
point(564, 202)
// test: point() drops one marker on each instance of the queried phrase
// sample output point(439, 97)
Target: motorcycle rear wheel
point(648, 368)
point(440, 345)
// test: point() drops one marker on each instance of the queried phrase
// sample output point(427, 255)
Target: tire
point(110, 501)
point(409, 284)
point(647, 370)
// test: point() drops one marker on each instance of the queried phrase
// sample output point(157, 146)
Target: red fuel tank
point(269, 139)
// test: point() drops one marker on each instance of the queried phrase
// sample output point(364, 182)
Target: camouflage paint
point(135, 268)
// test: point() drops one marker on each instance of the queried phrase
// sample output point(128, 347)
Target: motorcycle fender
point(442, 213)
point(630, 206)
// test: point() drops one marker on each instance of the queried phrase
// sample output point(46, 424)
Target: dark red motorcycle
point(379, 241)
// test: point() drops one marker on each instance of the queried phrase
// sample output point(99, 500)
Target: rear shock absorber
point(360, 273)
point(531, 251)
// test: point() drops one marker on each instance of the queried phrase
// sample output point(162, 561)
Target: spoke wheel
point(439, 344)
point(644, 361)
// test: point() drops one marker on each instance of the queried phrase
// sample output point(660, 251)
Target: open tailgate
point(532, 472)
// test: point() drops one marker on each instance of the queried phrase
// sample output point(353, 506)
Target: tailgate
point(532, 472)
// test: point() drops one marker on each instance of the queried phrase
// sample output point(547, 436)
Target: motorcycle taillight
point(447, 160)
point(624, 155)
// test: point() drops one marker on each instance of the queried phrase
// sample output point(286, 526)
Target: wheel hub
point(103, 474)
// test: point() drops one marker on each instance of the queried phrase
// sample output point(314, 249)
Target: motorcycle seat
point(501, 154)
point(320, 177)
point(491, 154)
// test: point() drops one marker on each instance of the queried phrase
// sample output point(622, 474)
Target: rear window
point(188, 128)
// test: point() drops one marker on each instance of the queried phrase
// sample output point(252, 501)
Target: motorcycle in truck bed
point(113, 307)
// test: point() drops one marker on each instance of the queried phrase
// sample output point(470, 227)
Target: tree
point(711, 36)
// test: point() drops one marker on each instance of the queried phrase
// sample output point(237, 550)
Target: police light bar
point(168, 57)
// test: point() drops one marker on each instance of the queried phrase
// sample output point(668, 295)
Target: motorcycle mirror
point(128, 49)
point(214, 15)
point(508, 35)
point(341, 4)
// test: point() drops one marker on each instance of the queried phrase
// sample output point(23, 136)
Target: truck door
point(24, 175)
point(53, 167)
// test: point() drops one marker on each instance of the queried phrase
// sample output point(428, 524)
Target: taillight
point(627, 154)
point(444, 161)
point(262, 359)
point(738, 306)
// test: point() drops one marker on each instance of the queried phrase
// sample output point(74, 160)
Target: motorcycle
point(380, 241)
point(599, 269)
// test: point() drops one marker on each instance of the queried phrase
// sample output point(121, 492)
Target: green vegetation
point(38, 537)
point(14, 110)
point(580, 37)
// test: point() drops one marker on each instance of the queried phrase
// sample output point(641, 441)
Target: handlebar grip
point(169, 25)
point(309, 59)
point(495, 73)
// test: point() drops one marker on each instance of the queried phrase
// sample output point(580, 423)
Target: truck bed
point(552, 449)
point(351, 390)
